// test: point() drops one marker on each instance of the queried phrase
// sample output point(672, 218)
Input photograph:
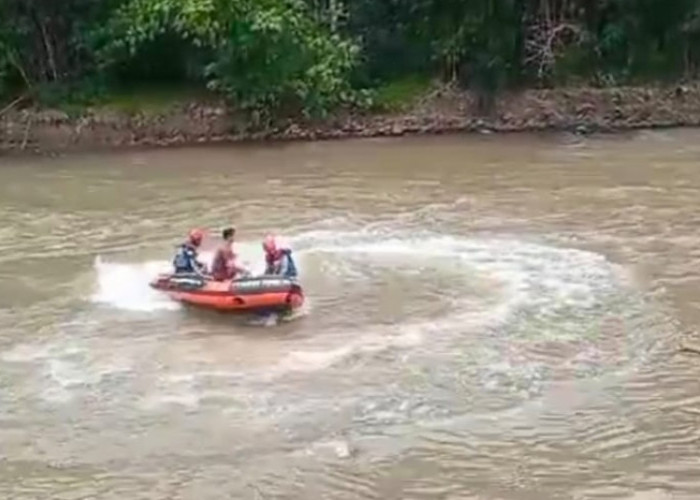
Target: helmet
point(195, 236)
point(269, 244)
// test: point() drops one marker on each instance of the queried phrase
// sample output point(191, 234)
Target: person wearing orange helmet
point(186, 258)
point(278, 258)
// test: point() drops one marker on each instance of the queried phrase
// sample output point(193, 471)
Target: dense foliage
point(291, 56)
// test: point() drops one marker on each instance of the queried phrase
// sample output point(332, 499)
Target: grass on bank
point(394, 96)
point(399, 95)
point(148, 99)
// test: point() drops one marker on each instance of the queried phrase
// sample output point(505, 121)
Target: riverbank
point(441, 110)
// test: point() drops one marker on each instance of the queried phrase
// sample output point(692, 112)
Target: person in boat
point(278, 259)
point(224, 266)
point(186, 258)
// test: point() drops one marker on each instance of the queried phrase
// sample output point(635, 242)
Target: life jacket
point(288, 268)
point(185, 260)
point(272, 261)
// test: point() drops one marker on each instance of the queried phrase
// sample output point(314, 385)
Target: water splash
point(541, 293)
point(126, 286)
point(537, 280)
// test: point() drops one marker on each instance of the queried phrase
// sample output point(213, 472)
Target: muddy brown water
point(492, 317)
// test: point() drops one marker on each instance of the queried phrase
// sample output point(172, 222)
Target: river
point(488, 317)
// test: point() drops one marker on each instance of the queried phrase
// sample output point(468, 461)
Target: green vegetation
point(275, 58)
point(396, 94)
point(147, 98)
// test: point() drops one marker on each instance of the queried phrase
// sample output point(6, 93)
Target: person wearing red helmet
point(271, 254)
point(186, 260)
point(278, 258)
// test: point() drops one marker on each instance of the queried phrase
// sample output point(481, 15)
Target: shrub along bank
point(271, 61)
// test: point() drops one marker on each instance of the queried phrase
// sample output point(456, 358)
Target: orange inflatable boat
point(251, 294)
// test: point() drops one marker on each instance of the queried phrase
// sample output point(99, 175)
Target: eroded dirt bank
point(443, 111)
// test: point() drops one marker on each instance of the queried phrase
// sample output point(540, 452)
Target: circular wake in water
point(402, 327)
point(372, 290)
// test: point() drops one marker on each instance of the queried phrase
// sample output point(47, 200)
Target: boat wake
point(504, 277)
point(453, 289)
point(126, 285)
point(400, 327)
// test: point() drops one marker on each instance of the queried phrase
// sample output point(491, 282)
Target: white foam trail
point(540, 280)
point(125, 286)
point(545, 278)
point(68, 374)
point(311, 361)
point(26, 353)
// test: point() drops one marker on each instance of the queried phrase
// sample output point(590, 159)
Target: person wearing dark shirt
point(186, 259)
point(278, 259)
